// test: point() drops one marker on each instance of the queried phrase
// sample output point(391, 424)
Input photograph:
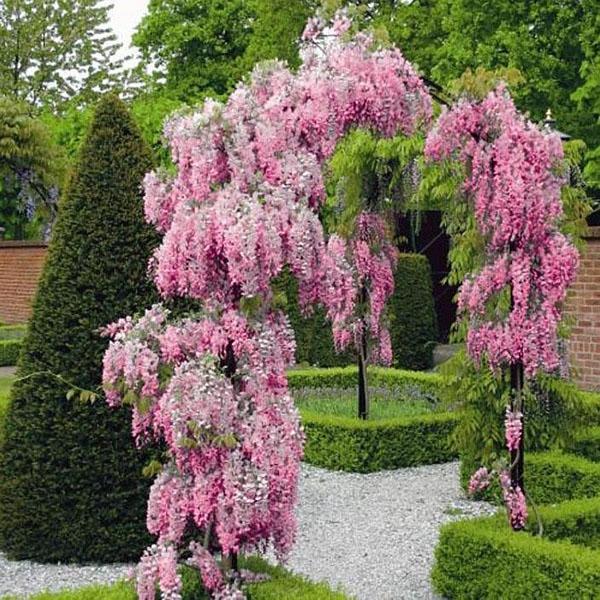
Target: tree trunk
point(517, 457)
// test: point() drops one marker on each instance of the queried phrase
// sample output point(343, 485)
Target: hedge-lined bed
point(483, 558)
point(11, 338)
point(348, 444)
point(282, 584)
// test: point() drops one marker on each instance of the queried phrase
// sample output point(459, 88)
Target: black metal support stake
point(363, 390)
point(517, 457)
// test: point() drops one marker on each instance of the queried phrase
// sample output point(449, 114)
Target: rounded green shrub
point(413, 327)
point(71, 485)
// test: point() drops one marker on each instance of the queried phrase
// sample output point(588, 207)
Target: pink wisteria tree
point(513, 178)
point(242, 206)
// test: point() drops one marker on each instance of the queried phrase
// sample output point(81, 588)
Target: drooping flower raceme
point(371, 257)
point(243, 205)
point(513, 179)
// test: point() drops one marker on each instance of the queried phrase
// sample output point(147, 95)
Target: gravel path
point(373, 535)
point(23, 578)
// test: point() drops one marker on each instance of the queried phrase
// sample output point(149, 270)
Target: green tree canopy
point(31, 169)
point(52, 51)
point(196, 46)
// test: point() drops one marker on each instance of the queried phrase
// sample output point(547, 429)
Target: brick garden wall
point(584, 305)
point(20, 268)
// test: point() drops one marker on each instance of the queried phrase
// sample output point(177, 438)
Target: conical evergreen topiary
point(71, 486)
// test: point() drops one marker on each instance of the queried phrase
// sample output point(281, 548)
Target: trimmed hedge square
point(347, 377)
point(484, 559)
point(9, 352)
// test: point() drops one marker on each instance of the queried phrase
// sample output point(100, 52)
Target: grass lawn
point(281, 585)
point(5, 383)
point(384, 403)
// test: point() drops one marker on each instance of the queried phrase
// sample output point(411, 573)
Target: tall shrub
point(70, 477)
point(413, 328)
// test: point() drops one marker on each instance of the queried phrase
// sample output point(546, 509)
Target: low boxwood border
point(587, 444)
point(591, 407)
point(347, 377)
point(484, 558)
point(9, 352)
point(345, 444)
point(282, 584)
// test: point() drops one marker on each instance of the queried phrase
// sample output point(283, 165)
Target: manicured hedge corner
point(483, 558)
point(552, 477)
point(347, 377)
point(9, 352)
point(366, 446)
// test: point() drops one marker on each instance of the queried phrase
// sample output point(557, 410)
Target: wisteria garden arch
point(242, 206)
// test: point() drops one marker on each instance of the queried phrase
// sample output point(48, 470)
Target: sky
point(124, 17)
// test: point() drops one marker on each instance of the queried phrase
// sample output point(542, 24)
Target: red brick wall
point(20, 268)
point(584, 305)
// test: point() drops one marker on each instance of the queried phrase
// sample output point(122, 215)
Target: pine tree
point(71, 486)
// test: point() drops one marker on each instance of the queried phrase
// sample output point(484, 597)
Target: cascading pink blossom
point(371, 257)
point(513, 179)
point(241, 207)
point(513, 428)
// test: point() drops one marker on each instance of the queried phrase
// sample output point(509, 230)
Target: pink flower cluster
point(242, 206)
point(513, 178)
point(370, 257)
point(480, 481)
point(513, 428)
point(514, 500)
point(234, 442)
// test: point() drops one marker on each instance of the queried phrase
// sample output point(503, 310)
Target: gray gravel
point(373, 535)
point(23, 578)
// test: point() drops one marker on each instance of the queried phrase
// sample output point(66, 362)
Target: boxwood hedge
point(347, 377)
point(484, 559)
point(9, 352)
point(347, 444)
point(587, 444)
